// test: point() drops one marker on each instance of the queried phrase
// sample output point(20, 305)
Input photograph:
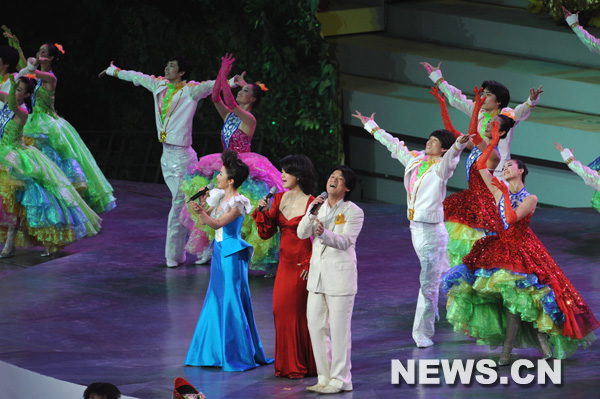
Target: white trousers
point(174, 163)
point(430, 241)
point(329, 321)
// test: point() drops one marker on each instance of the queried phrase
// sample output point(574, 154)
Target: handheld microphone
point(315, 207)
point(202, 192)
point(268, 197)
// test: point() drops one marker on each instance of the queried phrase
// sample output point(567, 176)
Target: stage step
point(344, 18)
point(411, 111)
point(387, 58)
point(490, 28)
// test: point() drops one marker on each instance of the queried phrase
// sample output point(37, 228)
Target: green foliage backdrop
point(275, 42)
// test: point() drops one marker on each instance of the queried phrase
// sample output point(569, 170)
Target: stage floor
point(108, 309)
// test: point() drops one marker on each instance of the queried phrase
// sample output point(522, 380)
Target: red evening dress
point(293, 350)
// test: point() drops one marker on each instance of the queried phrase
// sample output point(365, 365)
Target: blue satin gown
point(226, 334)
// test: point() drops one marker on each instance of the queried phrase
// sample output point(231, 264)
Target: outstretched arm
point(13, 42)
point(588, 40)
point(589, 176)
point(396, 147)
point(216, 92)
point(444, 110)
point(454, 96)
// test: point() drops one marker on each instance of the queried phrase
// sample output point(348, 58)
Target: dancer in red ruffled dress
point(510, 291)
point(468, 213)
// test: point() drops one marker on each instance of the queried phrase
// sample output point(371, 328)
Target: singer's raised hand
point(317, 201)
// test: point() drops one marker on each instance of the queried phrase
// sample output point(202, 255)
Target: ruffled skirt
point(59, 140)
point(478, 302)
point(38, 197)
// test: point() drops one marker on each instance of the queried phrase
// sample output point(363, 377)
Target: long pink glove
point(226, 63)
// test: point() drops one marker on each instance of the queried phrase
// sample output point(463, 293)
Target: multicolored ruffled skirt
point(263, 176)
point(478, 303)
point(461, 239)
point(36, 195)
point(60, 142)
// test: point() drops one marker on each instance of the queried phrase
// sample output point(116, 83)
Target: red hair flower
point(262, 86)
point(59, 47)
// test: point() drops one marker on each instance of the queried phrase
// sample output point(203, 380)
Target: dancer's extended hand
point(534, 94)
point(429, 68)
point(239, 79)
point(363, 118)
point(101, 74)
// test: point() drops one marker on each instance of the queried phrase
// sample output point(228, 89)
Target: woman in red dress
point(293, 351)
point(510, 291)
point(467, 213)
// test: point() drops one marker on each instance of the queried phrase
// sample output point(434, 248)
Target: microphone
point(315, 207)
point(272, 192)
point(202, 192)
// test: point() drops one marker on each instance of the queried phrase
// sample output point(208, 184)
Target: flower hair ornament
point(262, 86)
point(508, 112)
point(60, 48)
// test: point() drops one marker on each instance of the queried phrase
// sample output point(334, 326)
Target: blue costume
point(226, 335)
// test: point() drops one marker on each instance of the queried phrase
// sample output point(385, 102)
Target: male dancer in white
point(332, 280)
point(425, 177)
point(496, 102)
point(175, 102)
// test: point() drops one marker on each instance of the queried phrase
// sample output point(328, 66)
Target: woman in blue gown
point(226, 335)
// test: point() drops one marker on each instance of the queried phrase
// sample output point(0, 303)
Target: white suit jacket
point(333, 262)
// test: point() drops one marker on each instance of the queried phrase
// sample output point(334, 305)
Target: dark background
point(278, 43)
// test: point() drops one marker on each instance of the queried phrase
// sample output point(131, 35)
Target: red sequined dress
point(263, 176)
point(513, 269)
point(293, 350)
point(469, 213)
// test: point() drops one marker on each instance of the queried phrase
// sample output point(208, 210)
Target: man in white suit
point(175, 102)
point(332, 280)
point(425, 177)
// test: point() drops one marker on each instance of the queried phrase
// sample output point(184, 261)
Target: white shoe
point(329, 389)
point(423, 342)
point(315, 388)
point(205, 257)
point(174, 263)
